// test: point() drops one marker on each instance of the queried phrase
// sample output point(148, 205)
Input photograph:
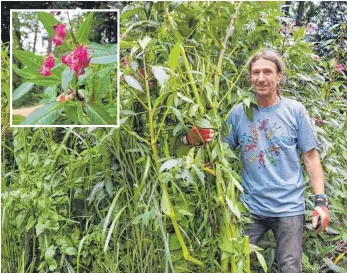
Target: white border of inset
point(118, 68)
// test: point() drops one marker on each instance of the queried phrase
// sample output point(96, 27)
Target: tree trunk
point(16, 28)
point(35, 37)
point(299, 15)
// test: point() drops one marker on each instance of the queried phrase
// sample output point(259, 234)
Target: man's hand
point(320, 216)
point(198, 136)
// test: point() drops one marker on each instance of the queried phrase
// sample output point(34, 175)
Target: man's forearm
point(315, 171)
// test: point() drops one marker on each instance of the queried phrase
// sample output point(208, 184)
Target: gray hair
point(272, 56)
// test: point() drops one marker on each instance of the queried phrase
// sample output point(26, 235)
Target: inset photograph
point(64, 68)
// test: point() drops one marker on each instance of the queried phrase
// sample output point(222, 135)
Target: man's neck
point(267, 101)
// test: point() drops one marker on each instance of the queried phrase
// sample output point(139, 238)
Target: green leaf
point(174, 56)
point(261, 261)
point(133, 82)
point(49, 253)
point(24, 73)
point(85, 29)
point(74, 112)
point(45, 115)
point(165, 205)
point(199, 173)
point(144, 42)
point(160, 74)
point(66, 78)
point(204, 123)
point(22, 90)
point(98, 115)
point(29, 59)
point(298, 35)
point(103, 54)
point(131, 12)
point(45, 81)
point(17, 119)
point(101, 84)
point(48, 21)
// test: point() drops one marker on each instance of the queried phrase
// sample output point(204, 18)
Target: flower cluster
point(60, 34)
point(47, 65)
point(340, 68)
point(315, 57)
point(77, 60)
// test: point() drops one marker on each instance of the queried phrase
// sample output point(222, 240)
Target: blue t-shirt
point(272, 176)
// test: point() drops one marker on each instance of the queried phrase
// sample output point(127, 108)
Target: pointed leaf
point(165, 205)
point(17, 119)
point(45, 81)
point(261, 261)
point(45, 115)
point(169, 164)
point(160, 74)
point(98, 115)
point(174, 56)
point(85, 29)
point(133, 82)
point(29, 59)
point(48, 21)
point(24, 73)
point(22, 90)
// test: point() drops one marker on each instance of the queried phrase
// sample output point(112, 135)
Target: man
point(272, 177)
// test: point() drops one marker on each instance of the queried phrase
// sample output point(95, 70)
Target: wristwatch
point(321, 196)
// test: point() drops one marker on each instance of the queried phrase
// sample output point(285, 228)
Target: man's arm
point(314, 170)
point(320, 214)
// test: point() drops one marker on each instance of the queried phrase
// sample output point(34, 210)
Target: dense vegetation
point(135, 199)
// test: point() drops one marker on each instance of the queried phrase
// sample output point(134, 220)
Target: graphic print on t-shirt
point(261, 144)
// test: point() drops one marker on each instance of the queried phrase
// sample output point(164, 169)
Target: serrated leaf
point(45, 115)
point(48, 21)
point(66, 78)
point(133, 82)
point(98, 115)
point(299, 34)
point(24, 73)
point(85, 29)
point(22, 90)
point(28, 59)
point(46, 81)
point(160, 74)
point(174, 56)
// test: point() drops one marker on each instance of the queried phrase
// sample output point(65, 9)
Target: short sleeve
point(307, 138)
point(232, 138)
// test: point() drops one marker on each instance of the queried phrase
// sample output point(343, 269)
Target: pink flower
point(340, 68)
point(142, 71)
point(319, 121)
point(45, 71)
point(47, 65)
point(315, 57)
point(60, 34)
point(126, 63)
point(151, 84)
point(77, 60)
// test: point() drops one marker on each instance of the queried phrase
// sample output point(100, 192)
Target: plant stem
point(164, 188)
point(186, 63)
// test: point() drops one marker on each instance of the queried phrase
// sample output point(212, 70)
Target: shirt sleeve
point(307, 138)
point(232, 138)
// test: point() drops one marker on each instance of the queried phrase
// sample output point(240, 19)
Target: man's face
point(264, 78)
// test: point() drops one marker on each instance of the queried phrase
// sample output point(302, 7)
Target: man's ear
point(279, 76)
